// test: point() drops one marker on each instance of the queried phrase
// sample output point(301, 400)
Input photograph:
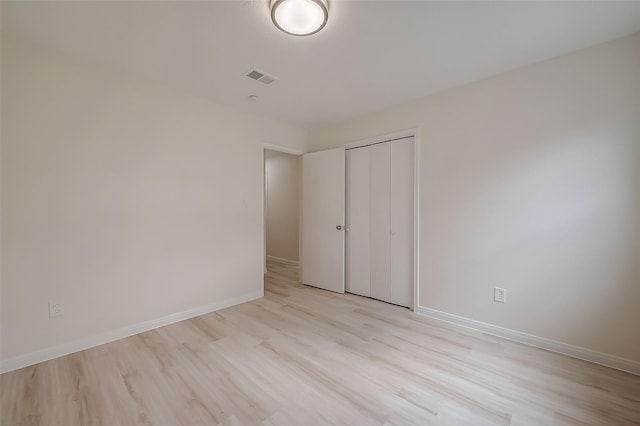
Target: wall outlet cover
point(499, 295)
point(55, 309)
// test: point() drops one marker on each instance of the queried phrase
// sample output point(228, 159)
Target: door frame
point(415, 132)
point(285, 150)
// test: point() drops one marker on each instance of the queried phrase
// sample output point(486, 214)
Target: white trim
point(279, 148)
point(282, 260)
point(383, 138)
point(300, 224)
point(416, 219)
point(585, 354)
point(42, 355)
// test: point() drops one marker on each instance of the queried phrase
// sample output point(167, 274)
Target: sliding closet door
point(401, 244)
point(380, 220)
point(358, 272)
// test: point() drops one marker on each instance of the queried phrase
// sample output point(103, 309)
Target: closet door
point(380, 220)
point(401, 231)
point(358, 264)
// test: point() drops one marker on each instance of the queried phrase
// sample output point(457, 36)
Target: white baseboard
point(282, 260)
point(36, 357)
point(601, 358)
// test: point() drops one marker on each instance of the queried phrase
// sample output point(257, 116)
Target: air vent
point(255, 75)
point(260, 76)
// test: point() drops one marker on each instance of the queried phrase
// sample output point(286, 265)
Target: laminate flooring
point(304, 356)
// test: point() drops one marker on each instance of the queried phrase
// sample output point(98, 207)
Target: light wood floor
point(304, 356)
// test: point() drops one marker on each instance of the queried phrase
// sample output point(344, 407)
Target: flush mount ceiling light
point(299, 17)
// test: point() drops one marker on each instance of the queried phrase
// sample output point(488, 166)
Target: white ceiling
point(371, 54)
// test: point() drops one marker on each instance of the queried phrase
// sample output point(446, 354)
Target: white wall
point(125, 201)
point(282, 207)
point(531, 181)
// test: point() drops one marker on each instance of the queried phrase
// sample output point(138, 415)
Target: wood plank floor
point(303, 356)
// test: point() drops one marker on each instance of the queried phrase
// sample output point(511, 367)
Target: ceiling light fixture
point(299, 17)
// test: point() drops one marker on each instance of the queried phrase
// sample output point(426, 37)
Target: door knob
point(339, 227)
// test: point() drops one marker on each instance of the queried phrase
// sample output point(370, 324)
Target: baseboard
point(601, 358)
point(42, 355)
point(282, 260)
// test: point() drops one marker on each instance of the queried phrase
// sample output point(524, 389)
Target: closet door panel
point(379, 215)
point(358, 266)
point(401, 212)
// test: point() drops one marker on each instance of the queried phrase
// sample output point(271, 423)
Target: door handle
point(339, 227)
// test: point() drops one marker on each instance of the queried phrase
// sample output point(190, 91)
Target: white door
point(380, 221)
point(323, 209)
point(379, 255)
point(358, 266)
point(401, 220)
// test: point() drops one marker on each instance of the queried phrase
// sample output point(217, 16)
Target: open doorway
point(282, 195)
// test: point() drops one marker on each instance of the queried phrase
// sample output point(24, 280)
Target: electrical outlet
point(499, 295)
point(55, 309)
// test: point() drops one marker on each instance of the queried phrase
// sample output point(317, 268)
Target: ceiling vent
point(260, 76)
